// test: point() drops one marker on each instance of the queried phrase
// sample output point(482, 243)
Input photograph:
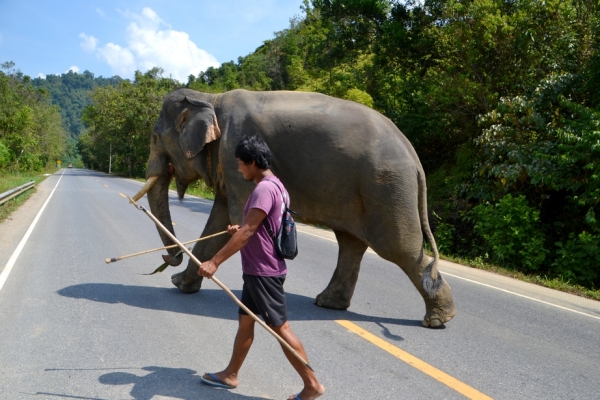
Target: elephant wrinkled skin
point(345, 166)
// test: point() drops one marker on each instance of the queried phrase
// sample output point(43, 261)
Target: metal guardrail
point(4, 197)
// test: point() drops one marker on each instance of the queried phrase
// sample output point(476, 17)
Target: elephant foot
point(435, 322)
point(440, 309)
point(184, 284)
point(329, 300)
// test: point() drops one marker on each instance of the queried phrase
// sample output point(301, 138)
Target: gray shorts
point(264, 296)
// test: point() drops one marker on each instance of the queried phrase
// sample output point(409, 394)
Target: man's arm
point(239, 239)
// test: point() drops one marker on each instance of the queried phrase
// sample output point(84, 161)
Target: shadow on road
point(175, 383)
point(212, 303)
point(182, 383)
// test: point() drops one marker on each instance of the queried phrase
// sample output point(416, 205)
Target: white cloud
point(120, 59)
point(73, 68)
point(149, 19)
point(100, 12)
point(88, 43)
point(148, 47)
point(40, 75)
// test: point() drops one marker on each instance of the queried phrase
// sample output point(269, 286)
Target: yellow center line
point(413, 361)
point(106, 185)
point(122, 195)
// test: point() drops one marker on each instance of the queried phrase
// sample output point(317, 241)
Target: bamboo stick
point(221, 285)
point(115, 259)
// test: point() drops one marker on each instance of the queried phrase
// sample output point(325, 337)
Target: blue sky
point(117, 37)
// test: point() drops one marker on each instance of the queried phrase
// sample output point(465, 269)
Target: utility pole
point(110, 158)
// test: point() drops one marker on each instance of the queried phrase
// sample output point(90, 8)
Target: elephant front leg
point(339, 292)
point(188, 281)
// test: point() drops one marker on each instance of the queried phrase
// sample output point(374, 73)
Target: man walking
point(263, 269)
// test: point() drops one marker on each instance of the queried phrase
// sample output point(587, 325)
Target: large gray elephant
point(345, 166)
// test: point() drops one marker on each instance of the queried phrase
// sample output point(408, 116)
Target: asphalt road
point(73, 327)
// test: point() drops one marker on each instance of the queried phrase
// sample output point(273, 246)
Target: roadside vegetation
point(12, 180)
point(32, 136)
point(500, 98)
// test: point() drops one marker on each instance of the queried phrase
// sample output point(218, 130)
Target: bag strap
point(281, 191)
point(266, 221)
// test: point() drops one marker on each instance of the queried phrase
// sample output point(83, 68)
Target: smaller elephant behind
point(345, 166)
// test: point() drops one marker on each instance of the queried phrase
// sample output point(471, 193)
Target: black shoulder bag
point(286, 241)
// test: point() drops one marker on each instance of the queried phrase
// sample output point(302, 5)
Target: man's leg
point(312, 387)
point(241, 346)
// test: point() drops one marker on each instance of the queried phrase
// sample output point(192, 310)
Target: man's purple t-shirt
point(258, 255)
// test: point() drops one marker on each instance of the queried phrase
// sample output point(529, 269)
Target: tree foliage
point(31, 132)
point(120, 121)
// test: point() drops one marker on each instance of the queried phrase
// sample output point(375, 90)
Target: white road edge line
point(484, 284)
point(15, 255)
point(522, 295)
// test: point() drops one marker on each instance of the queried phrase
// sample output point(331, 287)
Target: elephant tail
point(431, 280)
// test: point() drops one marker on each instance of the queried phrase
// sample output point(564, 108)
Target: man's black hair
point(253, 148)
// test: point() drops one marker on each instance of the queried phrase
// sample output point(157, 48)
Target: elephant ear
point(197, 126)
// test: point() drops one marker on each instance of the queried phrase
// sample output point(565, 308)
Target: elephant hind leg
point(440, 309)
point(403, 246)
point(338, 293)
point(439, 305)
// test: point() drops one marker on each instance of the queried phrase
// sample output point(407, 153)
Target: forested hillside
point(71, 92)
point(500, 98)
point(41, 119)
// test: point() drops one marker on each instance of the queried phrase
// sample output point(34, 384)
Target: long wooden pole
point(222, 286)
point(115, 259)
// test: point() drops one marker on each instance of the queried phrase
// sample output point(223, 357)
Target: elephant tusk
point(149, 182)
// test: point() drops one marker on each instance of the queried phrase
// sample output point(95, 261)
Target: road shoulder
point(13, 228)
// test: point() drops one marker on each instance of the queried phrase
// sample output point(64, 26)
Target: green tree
point(120, 121)
point(31, 132)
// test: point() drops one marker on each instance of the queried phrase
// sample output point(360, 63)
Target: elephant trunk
point(158, 199)
point(181, 187)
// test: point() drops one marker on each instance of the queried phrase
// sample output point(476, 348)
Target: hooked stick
point(115, 259)
point(221, 285)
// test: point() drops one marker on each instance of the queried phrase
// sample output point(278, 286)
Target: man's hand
point(207, 269)
point(232, 229)
point(241, 236)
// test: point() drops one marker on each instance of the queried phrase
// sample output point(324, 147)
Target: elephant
point(345, 166)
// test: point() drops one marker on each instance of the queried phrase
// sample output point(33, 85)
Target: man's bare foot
point(220, 379)
point(308, 393)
